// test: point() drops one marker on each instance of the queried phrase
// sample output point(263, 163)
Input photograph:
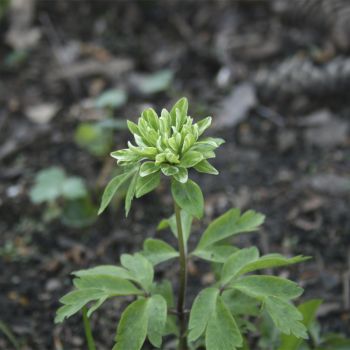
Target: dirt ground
point(275, 79)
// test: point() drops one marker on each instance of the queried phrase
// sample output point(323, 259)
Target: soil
point(277, 159)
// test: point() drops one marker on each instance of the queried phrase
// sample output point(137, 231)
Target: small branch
point(88, 334)
point(183, 281)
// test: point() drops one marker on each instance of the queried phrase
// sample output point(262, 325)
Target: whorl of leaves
point(333, 16)
point(301, 76)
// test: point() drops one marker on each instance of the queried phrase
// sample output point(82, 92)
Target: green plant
point(65, 196)
point(221, 314)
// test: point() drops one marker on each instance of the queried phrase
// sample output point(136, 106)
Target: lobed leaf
point(202, 309)
point(265, 286)
point(236, 262)
point(157, 251)
point(218, 253)
point(271, 260)
point(285, 316)
point(133, 326)
point(229, 224)
point(308, 311)
point(139, 268)
point(157, 316)
point(188, 197)
point(222, 332)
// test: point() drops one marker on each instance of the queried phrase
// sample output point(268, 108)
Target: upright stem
point(183, 281)
point(88, 334)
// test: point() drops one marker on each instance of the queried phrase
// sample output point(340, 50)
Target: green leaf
point(73, 188)
point(148, 168)
point(265, 286)
point(107, 270)
point(169, 170)
point(153, 83)
point(130, 193)
point(157, 251)
point(181, 175)
point(188, 197)
point(229, 224)
point(78, 213)
point(190, 159)
point(140, 269)
point(240, 303)
point(113, 98)
point(112, 188)
point(147, 184)
point(48, 185)
point(216, 253)
point(236, 262)
point(110, 285)
point(271, 260)
point(205, 167)
point(157, 316)
point(165, 289)
point(202, 309)
point(203, 125)
point(285, 316)
point(222, 332)
point(133, 326)
point(308, 311)
point(182, 106)
point(96, 139)
point(133, 128)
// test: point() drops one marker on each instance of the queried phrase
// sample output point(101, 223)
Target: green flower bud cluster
point(170, 144)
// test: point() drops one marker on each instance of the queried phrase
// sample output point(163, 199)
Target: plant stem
point(88, 334)
point(183, 281)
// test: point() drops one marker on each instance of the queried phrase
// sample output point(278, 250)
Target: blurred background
point(275, 76)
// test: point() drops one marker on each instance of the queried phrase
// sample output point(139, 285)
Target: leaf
point(79, 212)
point(130, 193)
point(113, 98)
point(133, 325)
point(205, 167)
point(165, 289)
point(271, 260)
point(308, 311)
point(148, 168)
point(188, 197)
point(236, 262)
point(48, 185)
point(240, 303)
point(157, 251)
point(169, 170)
point(203, 125)
point(153, 83)
point(94, 138)
point(216, 253)
point(222, 332)
point(147, 184)
point(111, 285)
point(182, 106)
point(157, 316)
point(202, 309)
point(181, 175)
point(112, 188)
point(107, 270)
point(73, 188)
point(190, 159)
point(265, 286)
point(140, 269)
point(285, 316)
point(229, 224)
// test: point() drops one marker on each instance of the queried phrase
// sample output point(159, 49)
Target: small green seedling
point(221, 315)
point(65, 196)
